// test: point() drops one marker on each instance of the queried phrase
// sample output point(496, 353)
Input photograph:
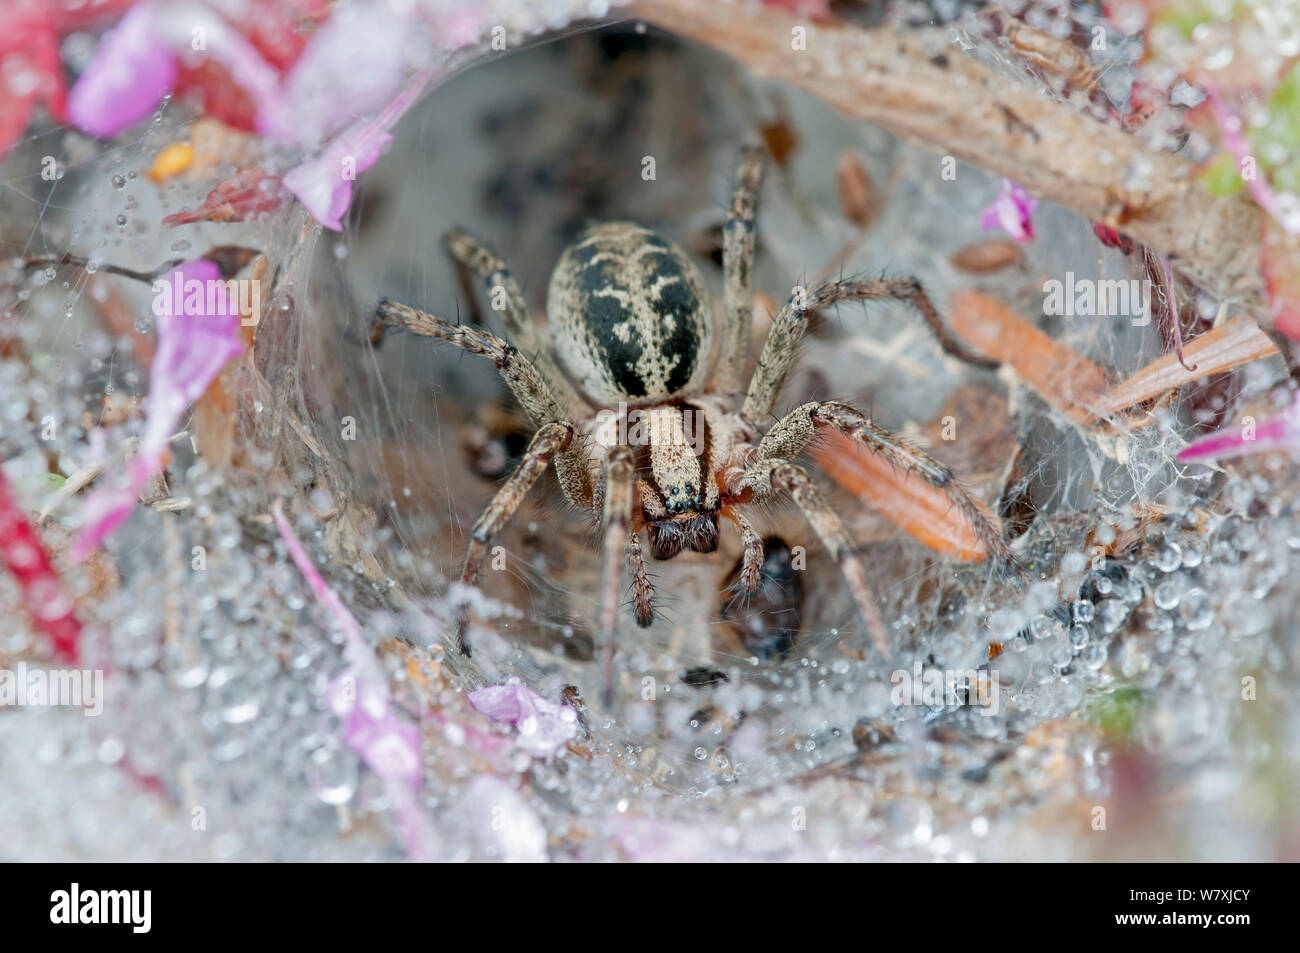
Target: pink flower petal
point(179, 25)
point(458, 27)
point(198, 332)
point(544, 727)
point(353, 65)
point(388, 743)
point(324, 185)
point(1278, 432)
point(502, 817)
point(246, 194)
point(1284, 207)
point(130, 74)
point(23, 554)
point(1011, 211)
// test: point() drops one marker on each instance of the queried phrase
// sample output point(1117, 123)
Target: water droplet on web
point(1132, 660)
point(1237, 494)
point(1246, 616)
point(1198, 609)
point(1169, 557)
point(1112, 614)
point(332, 774)
point(1168, 593)
point(119, 181)
point(142, 324)
point(1094, 656)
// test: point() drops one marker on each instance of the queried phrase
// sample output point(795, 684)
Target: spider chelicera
point(643, 429)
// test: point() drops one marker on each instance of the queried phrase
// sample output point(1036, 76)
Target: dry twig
point(922, 88)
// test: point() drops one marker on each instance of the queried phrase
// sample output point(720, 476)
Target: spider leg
point(795, 431)
point(751, 560)
point(620, 481)
point(551, 439)
point(788, 327)
point(506, 297)
point(643, 593)
point(737, 260)
point(794, 480)
point(525, 381)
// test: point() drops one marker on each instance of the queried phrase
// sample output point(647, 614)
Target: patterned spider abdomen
point(630, 315)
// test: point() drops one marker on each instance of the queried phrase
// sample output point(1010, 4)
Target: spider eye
point(673, 490)
point(689, 489)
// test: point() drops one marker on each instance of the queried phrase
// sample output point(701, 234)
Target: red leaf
point(209, 86)
point(1280, 263)
point(248, 193)
point(25, 557)
point(30, 71)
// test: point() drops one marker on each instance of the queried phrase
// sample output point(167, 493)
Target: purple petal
point(198, 332)
point(544, 727)
point(1278, 432)
point(388, 743)
point(390, 746)
point(500, 813)
point(324, 185)
point(130, 74)
point(1284, 207)
point(109, 505)
point(177, 24)
point(352, 66)
point(458, 27)
point(1011, 211)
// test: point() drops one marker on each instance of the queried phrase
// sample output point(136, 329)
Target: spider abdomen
point(630, 315)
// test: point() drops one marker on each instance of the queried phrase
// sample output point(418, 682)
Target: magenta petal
point(176, 24)
point(388, 745)
point(544, 727)
point(1278, 432)
point(324, 185)
point(108, 506)
point(353, 66)
point(198, 332)
point(1011, 211)
point(131, 73)
point(196, 339)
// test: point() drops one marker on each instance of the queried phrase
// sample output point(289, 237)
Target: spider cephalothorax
point(640, 426)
